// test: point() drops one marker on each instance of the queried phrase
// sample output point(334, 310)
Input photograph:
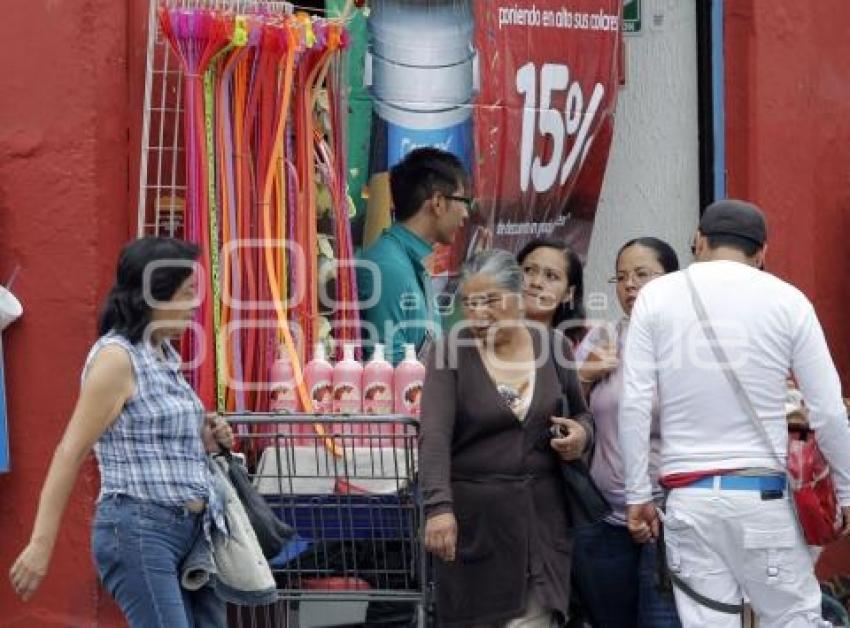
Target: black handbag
point(272, 533)
point(586, 502)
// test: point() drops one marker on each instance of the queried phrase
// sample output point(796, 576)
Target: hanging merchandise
point(251, 100)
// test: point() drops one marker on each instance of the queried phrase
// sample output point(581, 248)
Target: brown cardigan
point(479, 462)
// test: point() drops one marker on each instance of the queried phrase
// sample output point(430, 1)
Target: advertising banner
point(522, 92)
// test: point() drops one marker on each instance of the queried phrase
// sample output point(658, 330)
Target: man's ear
point(761, 256)
point(437, 204)
point(700, 244)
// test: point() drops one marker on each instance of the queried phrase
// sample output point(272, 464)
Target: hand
point(600, 362)
point(845, 530)
point(642, 522)
point(441, 536)
point(571, 446)
point(217, 433)
point(29, 569)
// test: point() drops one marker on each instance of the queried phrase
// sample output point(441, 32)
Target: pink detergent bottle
point(348, 395)
point(283, 393)
point(347, 383)
point(319, 376)
point(407, 382)
point(378, 384)
point(378, 395)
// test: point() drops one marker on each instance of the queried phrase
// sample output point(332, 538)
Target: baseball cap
point(733, 217)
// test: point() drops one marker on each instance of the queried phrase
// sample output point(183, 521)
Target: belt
point(195, 506)
point(741, 482)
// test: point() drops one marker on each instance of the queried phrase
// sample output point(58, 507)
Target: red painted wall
point(69, 121)
point(788, 149)
point(788, 144)
point(63, 215)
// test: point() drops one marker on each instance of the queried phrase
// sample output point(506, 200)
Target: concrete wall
point(651, 187)
point(63, 215)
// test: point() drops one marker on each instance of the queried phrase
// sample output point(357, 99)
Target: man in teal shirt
point(431, 199)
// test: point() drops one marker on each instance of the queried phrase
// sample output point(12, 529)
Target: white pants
point(728, 544)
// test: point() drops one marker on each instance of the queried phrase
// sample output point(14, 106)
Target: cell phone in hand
point(557, 430)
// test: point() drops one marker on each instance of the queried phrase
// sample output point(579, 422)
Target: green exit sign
point(631, 16)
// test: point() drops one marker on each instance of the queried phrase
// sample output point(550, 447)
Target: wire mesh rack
point(347, 485)
point(162, 184)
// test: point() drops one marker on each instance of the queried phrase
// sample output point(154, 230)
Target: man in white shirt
point(729, 528)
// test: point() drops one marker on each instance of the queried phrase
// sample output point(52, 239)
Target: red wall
point(788, 149)
point(63, 215)
point(788, 144)
point(66, 201)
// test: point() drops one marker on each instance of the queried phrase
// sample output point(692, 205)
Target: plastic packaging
point(407, 382)
point(318, 375)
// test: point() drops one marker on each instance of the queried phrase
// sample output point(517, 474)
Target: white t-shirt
point(768, 328)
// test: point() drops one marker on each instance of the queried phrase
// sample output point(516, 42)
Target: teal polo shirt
point(396, 297)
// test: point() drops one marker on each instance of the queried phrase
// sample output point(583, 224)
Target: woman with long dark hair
point(553, 288)
point(148, 431)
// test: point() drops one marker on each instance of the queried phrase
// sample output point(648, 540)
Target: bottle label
point(346, 399)
point(322, 394)
point(283, 398)
point(378, 399)
point(411, 398)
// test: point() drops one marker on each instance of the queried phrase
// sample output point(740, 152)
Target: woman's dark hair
point(572, 310)
point(148, 268)
point(664, 253)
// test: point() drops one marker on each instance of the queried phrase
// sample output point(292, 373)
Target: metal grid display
point(162, 186)
point(351, 496)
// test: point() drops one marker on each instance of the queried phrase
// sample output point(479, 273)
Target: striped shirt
point(153, 451)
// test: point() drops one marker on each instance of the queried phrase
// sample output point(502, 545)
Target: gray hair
point(497, 264)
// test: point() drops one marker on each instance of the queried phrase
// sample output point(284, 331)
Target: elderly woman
point(495, 505)
point(150, 436)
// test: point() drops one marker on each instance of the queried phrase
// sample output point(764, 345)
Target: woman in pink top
point(615, 576)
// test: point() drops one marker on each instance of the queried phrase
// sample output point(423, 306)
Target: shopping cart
point(347, 485)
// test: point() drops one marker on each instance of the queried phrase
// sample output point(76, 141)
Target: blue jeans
point(615, 580)
point(138, 548)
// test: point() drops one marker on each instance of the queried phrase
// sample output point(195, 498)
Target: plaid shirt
point(153, 451)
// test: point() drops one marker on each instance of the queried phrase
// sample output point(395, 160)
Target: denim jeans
point(138, 548)
point(615, 580)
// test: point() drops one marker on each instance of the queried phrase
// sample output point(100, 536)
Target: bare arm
point(107, 386)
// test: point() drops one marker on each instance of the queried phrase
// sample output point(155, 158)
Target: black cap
point(736, 218)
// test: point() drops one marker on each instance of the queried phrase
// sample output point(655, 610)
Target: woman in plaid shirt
point(150, 437)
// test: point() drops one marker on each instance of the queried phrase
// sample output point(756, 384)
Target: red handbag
point(812, 488)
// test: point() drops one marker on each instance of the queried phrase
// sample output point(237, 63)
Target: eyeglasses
point(641, 276)
point(482, 301)
point(471, 203)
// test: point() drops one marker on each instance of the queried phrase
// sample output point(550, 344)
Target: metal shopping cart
point(347, 484)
